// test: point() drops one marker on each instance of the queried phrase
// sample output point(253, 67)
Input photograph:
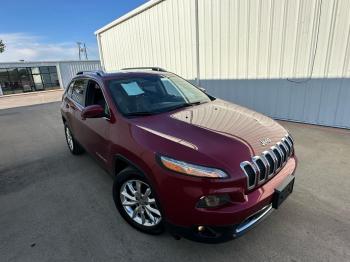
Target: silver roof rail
point(159, 69)
point(94, 72)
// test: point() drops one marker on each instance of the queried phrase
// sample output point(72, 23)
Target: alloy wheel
point(69, 139)
point(138, 202)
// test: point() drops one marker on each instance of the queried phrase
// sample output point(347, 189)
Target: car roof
point(125, 73)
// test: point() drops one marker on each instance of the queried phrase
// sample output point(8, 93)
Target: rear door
point(77, 106)
point(67, 105)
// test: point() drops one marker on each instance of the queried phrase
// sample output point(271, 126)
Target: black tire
point(131, 175)
point(73, 146)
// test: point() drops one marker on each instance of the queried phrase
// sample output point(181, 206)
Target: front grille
point(262, 168)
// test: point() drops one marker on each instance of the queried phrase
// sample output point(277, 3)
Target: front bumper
point(219, 234)
point(179, 196)
point(223, 223)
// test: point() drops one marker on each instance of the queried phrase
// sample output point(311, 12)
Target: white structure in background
point(287, 59)
point(17, 77)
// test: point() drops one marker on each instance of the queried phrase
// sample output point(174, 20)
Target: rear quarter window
point(69, 89)
point(79, 90)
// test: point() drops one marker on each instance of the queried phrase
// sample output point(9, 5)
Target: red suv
point(181, 159)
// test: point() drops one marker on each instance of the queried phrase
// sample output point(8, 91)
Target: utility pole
point(82, 50)
point(85, 51)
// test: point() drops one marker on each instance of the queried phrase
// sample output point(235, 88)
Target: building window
point(27, 79)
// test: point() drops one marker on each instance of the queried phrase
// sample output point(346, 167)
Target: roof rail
point(95, 72)
point(159, 69)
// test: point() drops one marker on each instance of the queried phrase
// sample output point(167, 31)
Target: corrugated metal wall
point(289, 59)
point(164, 35)
point(259, 39)
point(67, 70)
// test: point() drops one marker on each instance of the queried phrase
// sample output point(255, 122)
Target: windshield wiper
point(184, 105)
point(196, 103)
point(142, 113)
point(147, 113)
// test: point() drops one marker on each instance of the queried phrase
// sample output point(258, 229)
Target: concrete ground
point(59, 207)
point(33, 98)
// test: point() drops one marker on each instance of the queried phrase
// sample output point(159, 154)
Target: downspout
point(197, 43)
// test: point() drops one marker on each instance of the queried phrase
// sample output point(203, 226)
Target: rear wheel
point(135, 200)
point(73, 145)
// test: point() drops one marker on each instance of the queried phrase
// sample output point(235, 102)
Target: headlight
point(190, 169)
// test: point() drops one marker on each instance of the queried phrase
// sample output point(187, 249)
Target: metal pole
point(79, 50)
point(85, 49)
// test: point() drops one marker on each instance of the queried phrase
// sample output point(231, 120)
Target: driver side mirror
point(93, 111)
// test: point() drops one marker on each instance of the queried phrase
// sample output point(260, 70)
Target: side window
point(79, 90)
point(69, 89)
point(94, 96)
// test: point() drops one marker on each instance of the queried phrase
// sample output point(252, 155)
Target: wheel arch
point(121, 162)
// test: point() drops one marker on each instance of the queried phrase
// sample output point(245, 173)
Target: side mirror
point(202, 89)
point(93, 111)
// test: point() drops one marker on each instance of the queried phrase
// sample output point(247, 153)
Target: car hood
point(217, 130)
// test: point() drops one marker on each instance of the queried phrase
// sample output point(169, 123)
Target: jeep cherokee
point(201, 167)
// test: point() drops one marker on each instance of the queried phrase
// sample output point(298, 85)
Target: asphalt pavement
point(59, 207)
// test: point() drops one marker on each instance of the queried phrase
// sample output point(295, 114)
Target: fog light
point(213, 201)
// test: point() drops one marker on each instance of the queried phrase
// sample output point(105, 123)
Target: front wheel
point(135, 200)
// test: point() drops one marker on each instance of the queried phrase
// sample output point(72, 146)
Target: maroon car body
point(215, 134)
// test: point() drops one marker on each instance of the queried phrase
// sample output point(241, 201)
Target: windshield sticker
point(132, 89)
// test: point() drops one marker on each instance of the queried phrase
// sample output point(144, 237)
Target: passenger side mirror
point(93, 111)
point(202, 89)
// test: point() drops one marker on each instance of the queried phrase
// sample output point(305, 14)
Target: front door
point(97, 129)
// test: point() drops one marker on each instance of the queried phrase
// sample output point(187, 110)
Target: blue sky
point(48, 30)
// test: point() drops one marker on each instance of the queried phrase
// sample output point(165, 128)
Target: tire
point(141, 211)
point(73, 145)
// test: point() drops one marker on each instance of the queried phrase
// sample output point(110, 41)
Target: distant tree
point(2, 46)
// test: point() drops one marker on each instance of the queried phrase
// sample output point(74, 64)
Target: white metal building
point(289, 59)
point(17, 77)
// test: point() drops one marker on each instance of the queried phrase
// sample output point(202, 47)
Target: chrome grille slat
point(279, 147)
point(278, 154)
point(285, 147)
point(291, 143)
point(261, 168)
point(286, 142)
point(262, 171)
point(244, 166)
point(283, 153)
point(274, 159)
point(267, 166)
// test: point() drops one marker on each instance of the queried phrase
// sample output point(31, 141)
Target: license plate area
point(283, 191)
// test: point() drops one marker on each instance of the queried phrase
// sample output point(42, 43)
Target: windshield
point(154, 94)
